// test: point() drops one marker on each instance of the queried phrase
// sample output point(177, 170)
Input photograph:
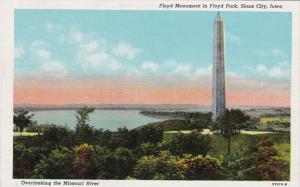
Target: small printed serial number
point(279, 184)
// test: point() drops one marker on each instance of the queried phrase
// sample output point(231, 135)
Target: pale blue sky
point(71, 43)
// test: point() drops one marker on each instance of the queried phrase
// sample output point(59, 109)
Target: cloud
point(261, 68)
point(201, 72)
point(48, 65)
point(90, 46)
point(232, 37)
point(184, 69)
point(103, 59)
point(53, 28)
point(134, 72)
point(42, 54)
point(18, 52)
point(150, 65)
point(54, 68)
point(91, 54)
point(124, 49)
point(278, 53)
point(278, 71)
point(275, 52)
point(204, 71)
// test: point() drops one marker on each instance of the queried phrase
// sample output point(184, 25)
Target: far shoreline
point(172, 107)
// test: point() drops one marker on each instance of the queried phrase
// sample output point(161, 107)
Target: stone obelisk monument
point(218, 87)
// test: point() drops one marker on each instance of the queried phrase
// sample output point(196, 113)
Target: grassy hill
point(171, 125)
point(219, 143)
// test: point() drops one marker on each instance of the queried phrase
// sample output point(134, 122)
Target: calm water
point(105, 119)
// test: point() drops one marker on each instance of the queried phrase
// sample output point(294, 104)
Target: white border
point(6, 83)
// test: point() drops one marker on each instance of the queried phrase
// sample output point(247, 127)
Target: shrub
point(194, 143)
point(57, 165)
point(83, 164)
point(163, 166)
point(201, 168)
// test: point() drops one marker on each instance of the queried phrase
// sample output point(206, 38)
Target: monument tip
point(218, 17)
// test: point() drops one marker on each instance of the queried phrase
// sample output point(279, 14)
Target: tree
point(124, 138)
point(163, 166)
point(56, 136)
point(199, 120)
point(57, 165)
point(24, 159)
point(122, 162)
point(194, 143)
point(116, 164)
point(230, 124)
point(265, 163)
point(83, 130)
point(201, 168)
point(83, 163)
point(22, 119)
point(151, 134)
point(149, 149)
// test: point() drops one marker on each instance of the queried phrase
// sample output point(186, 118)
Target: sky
point(149, 57)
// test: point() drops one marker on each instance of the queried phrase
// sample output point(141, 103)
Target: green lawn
point(25, 134)
point(274, 119)
point(219, 143)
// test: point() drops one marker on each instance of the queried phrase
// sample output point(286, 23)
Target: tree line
point(143, 153)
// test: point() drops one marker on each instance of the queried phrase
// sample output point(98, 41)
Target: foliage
point(194, 143)
point(163, 166)
point(57, 165)
point(171, 125)
point(124, 138)
point(57, 136)
point(230, 124)
point(151, 134)
point(181, 120)
point(122, 161)
point(143, 153)
point(265, 163)
point(24, 160)
point(83, 164)
point(116, 164)
point(201, 168)
point(149, 149)
point(204, 118)
point(83, 130)
point(22, 119)
point(233, 165)
point(34, 127)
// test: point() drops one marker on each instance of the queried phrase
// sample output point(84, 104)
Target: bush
point(83, 164)
point(163, 166)
point(24, 160)
point(116, 164)
point(57, 165)
point(57, 136)
point(201, 168)
point(194, 143)
point(265, 163)
point(150, 134)
point(148, 149)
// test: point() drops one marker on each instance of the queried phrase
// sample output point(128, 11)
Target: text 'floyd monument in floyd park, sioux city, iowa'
point(218, 87)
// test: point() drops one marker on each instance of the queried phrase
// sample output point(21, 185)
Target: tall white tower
point(218, 88)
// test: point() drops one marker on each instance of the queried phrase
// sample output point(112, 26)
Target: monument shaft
point(218, 87)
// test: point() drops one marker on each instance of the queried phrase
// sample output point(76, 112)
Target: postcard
point(149, 93)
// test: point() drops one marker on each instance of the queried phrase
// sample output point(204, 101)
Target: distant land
point(34, 107)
